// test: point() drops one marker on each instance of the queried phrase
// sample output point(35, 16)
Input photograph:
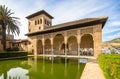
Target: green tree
point(8, 23)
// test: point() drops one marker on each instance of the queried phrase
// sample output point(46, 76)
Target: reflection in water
point(56, 68)
point(35, 63)
point(78, 65)
point(83, 60)
point(14, 69)
point(41, 68)
point(1, 77)
point(17, 73)
point(52, 59)
point(65, 66)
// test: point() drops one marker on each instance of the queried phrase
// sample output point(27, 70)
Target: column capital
point(43, 41)
point(51, 41)
point(78, 32)
point(78, 39)
point(65, 39)
point(65, 33)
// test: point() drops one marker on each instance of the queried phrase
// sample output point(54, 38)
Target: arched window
point(29, 30)
point(39, 27)
point(35, 22)
point(48, 23)
point(45, 21)
point(40, 21)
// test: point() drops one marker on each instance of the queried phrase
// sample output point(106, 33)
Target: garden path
point(92, 70)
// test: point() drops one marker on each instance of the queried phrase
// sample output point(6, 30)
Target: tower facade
point(39, 21)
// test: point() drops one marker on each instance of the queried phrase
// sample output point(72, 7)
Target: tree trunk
point(4, 38)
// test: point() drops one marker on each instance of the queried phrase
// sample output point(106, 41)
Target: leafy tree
point(8, 23)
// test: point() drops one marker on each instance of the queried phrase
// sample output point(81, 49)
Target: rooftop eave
point(101, 20)
point(38, 13)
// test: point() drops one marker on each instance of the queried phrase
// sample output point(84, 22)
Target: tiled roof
point(38, 13)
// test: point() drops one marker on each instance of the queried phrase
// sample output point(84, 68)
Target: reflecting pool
point(41, 68)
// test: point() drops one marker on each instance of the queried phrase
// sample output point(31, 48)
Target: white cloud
point(68, 11)
point(110, 30)
point(115, 23)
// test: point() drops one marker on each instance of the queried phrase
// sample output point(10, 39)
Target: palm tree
point(9, 23)
point(0, 28)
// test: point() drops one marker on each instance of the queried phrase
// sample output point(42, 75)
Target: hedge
point(110, 64)
point(13, 54)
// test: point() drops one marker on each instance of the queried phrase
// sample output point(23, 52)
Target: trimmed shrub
point(110, 64)
point(13, 54)
point(115, 70)
point(15, 49)
point(8, 49)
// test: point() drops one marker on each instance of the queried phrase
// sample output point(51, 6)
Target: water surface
point(41, 68)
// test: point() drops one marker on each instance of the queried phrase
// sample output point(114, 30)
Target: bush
point(15, 49)
point(115, 70)
point(8, 49)
point(13, 54)
point(110, 64)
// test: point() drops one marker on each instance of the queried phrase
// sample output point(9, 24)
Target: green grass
point(110, 64)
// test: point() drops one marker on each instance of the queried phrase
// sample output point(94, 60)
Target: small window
point(25, 43)
point(39, 27)
point(29, 42)
point(49, 24)
point(35, 22)
point(29, 30)
point(18, 45)
point(40, 21)
point(45, 21)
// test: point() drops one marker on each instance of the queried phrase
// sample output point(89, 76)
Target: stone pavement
point(92, 70)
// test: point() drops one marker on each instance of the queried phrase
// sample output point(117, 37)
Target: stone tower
point(39, 21)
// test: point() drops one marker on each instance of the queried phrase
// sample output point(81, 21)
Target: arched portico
point(39, 47)
point(58, 43)
point(72, 45)
point(47, 46)
point(87, 44)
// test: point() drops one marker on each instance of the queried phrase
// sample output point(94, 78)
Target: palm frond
point(11, 23)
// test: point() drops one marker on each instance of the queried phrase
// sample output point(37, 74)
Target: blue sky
point(69, 10)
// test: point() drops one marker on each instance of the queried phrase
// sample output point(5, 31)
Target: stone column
point(35, 47)
point(65, 42)
point(43, 43)
point(78, 42)
point(51, 40)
